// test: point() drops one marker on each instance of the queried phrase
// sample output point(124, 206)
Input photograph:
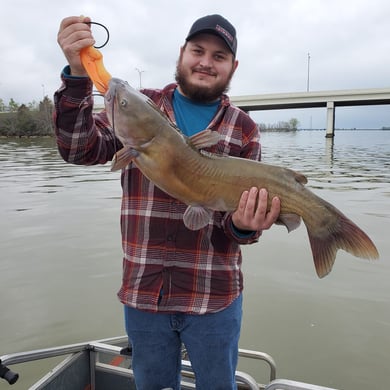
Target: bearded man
point(179, 286)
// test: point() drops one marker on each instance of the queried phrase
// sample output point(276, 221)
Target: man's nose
point(206, 61)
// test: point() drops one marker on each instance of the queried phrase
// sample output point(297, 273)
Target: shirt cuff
point(77, 87)
point(67, 74)
point(241, 237)
point(241, 233)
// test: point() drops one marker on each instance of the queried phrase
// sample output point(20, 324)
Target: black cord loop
point(106, 29)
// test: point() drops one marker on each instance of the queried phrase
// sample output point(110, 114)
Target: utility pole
point(140, 76)
point(308, 72)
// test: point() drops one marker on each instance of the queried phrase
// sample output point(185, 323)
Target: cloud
point(347, 41)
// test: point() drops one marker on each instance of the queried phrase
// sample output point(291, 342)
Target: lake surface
point(60, 264)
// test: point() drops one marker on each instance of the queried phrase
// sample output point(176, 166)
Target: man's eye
point(220, 57)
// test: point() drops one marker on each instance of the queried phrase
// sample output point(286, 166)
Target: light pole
point(308, 72)
point(140, 76)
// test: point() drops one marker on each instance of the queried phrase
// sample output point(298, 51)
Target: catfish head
point(131, 114)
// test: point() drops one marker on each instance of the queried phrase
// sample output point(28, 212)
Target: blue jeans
point(211, 341)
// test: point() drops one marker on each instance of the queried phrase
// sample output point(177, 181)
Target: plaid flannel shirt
point(166, 267)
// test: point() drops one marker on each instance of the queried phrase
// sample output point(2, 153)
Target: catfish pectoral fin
point(196, 217)
point(123, 158)
point(344, 234)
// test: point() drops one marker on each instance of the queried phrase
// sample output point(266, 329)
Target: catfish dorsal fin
point(205, 139)
point(300, 177)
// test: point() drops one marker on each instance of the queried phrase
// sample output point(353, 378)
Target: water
point(60, 263)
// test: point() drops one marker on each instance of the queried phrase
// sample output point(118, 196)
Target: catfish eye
point(123, 102)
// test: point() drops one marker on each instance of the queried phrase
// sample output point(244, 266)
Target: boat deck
point(106, 364)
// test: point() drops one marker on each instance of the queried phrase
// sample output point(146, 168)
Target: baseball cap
point(217, 25)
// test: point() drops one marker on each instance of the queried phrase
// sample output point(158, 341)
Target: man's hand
point(251, 213)
point(75, 34)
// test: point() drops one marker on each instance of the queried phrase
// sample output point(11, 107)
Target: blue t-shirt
point(192, 117)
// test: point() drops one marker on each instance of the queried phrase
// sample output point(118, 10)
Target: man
point(179, 286)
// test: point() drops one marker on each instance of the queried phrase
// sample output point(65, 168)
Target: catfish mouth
point(109, 96)
point(115, 85)
point(110, 101)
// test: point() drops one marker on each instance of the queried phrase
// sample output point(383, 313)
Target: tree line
point(291, 125)
point(21, 120)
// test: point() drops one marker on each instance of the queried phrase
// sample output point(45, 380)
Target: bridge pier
point(330, 119)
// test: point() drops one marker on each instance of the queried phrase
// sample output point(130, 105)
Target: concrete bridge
point(328, 99)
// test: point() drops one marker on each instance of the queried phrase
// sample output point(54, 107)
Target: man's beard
point(199, 93)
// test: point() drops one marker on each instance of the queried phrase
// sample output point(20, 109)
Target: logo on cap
point(224, 32)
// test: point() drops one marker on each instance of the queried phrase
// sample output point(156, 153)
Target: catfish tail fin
point(344, 234)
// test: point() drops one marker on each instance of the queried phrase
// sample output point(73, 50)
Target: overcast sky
point(348, 42)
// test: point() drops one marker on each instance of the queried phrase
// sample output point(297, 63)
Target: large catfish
point(206, 182)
